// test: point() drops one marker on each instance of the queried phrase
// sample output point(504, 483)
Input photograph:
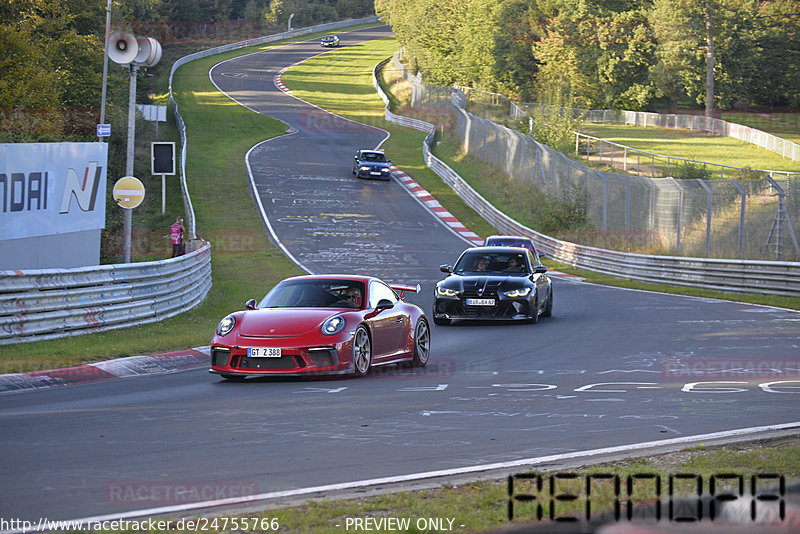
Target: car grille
point(284, 362)
point(480, 311)
point(219, 357)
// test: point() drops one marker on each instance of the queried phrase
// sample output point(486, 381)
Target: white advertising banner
point(52, 188)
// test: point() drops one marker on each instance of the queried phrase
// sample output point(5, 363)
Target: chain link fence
point(691, 217)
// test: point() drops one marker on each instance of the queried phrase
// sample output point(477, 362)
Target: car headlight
point(446, 292)
point(385, 169)
point(516, 293)
point(333, 326)
point(226, 325)
point(364, 168)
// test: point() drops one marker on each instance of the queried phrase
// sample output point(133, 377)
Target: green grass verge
point(692, 145)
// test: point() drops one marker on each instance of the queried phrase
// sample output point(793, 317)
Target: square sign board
point(162, 157)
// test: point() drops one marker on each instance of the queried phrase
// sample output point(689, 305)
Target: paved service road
point(611, 367)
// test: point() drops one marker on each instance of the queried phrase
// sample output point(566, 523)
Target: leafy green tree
point(777, 46)
point(683, 30)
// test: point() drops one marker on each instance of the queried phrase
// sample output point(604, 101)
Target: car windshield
point(373, 156)
point(506, 263)
point(315, 294)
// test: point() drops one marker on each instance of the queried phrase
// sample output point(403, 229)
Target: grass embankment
point(692, 145)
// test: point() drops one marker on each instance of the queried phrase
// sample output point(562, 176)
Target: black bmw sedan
point(488, 283)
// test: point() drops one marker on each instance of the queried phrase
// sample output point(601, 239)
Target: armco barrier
point(750, 276)
point(46, 304)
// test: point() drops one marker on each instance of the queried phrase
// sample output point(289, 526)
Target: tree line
point(616, 54)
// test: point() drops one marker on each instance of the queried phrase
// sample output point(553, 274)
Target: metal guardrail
point(46, 304)
point(746, 276)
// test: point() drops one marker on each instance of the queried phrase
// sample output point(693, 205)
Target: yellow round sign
point(128, 192)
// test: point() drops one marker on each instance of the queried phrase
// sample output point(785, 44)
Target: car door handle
point(399, 320)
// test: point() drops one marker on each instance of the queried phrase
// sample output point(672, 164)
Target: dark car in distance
point(512, 241)
point(494, 283)
point(329, 40)
point(372, 164)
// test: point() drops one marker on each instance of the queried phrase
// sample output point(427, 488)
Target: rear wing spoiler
point(402, 288)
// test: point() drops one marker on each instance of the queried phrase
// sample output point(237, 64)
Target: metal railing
point(781, 278)
point(46, 304)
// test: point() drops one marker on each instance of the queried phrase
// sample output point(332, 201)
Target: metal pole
point(126, 221)
point(105, 67)
point(709, 207)
point(679, 214)
point(741, 215)
point(163, 195)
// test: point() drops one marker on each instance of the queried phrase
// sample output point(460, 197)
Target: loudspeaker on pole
point(122, 48)
point(149, 51)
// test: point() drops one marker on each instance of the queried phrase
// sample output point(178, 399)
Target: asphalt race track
point(611, 367)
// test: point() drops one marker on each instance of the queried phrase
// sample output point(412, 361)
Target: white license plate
point(480, 302)
point(375, 173)
point(263, 352)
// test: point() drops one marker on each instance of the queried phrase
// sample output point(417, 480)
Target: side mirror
point(541, 254)
point(384, 304)
point(250, 304)
point(446, 268)
point(540, 269)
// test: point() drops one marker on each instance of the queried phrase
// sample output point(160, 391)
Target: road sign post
point(162, 161)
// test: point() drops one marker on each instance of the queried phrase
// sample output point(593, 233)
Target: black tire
point(232, 378)
point(535, 315)
point(422, 343)
point(548, 310)
point(362, 351)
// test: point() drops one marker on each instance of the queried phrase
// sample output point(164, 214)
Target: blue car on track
point(371, 164)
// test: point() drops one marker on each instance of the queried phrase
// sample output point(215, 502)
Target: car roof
point(519, 237)
point(343, 277)
point(494, 249)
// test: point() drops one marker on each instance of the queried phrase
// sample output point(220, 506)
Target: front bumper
point(371, 174)
point(233, 360)
point(505, 309)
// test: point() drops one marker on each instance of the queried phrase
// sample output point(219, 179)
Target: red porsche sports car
point(326, 324)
